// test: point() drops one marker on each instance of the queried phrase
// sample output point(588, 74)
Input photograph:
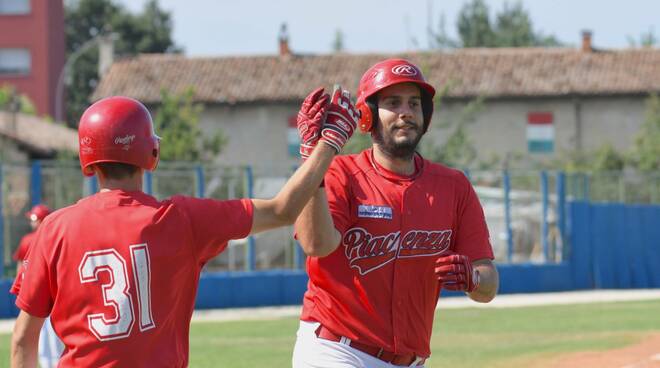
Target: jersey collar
point(390, 175)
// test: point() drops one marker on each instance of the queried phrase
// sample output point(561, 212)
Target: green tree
point(177, 123)
point(474, 26)
point(645, 153)
point(338, 42)
point(9, 96)
point(458, 150)
point(440, 39)
point(607, 158)
point(646, 39)
point(147, 32)
point(357, 143)
point(512, 28)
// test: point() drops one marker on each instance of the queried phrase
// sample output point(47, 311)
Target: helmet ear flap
point(366, 117)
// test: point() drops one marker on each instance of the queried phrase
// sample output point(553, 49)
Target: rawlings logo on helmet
point(127, 139)
point(405, 70)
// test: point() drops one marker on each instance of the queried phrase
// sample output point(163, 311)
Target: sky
point(251, 27)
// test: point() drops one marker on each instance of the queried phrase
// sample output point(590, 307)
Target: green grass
point(471, 337)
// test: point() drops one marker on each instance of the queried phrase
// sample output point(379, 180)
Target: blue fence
point(616, 246)
point(525, 209)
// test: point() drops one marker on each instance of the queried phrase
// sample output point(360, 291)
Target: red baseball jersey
point(23, 246)
point(21, 252)
point(118, 274)
point(379, 287)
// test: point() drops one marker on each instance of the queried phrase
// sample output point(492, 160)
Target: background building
point(538, 101)
point(32, 49)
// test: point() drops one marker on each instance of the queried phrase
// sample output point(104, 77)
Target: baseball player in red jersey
point(118, 271)
point(36, 215)
point(50, 346)
point(396, 229)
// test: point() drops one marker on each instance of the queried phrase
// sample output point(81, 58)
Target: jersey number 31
point(116, 293)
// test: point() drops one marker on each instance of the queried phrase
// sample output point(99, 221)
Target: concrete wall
point(499, 128)
point(257, 134)
point(580, 123)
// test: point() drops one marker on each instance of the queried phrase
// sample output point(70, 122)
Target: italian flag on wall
point(540, 132)
point(292, 138)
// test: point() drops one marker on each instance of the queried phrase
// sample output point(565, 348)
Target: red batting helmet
point(117, 129)
point(383, 75)
point(38, 212)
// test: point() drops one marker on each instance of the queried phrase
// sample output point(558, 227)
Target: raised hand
point(341, 120)
point(310, 120)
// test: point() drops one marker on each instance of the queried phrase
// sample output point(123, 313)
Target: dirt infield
point(644, 354)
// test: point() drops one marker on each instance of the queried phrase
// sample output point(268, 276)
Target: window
point(14, 6)
point(15, 61)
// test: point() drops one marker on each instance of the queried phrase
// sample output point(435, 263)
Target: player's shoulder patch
point(374, 211)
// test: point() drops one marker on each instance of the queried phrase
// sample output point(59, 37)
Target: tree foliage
point(645, 153)
point(177, 123)
point(474, 26)
point(20, 102)
point(338, 42)
point(511, 27)
point(146, 32)
point(458, 150)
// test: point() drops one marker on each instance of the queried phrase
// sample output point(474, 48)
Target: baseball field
point(615, 334)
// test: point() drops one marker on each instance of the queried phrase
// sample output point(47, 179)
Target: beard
point(404, 149)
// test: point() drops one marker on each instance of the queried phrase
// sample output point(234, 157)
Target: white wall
point(258, 133)
point(501, 126)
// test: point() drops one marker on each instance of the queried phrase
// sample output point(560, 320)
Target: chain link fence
point(525, 210)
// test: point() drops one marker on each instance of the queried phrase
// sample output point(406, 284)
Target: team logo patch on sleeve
point(370, 211)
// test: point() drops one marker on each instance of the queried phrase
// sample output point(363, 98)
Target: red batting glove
point(310, 120)
point(455, 272)
point(341, 121)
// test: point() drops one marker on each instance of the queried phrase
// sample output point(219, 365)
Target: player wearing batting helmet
point(396, 229)
point(50, 346)
point(118, 271)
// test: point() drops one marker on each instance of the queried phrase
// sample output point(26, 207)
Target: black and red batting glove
point(310, 120)
point(341, 120)
point(455, 272)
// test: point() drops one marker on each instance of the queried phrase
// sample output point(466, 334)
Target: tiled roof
point(504, 72)
point(37, 135)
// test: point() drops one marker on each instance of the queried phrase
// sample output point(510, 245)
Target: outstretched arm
point(25, 340)
point(315, 228)
point(314, 127)
point(289, 202)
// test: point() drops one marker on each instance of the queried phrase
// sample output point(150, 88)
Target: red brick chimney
point(284, 41)
point(586, 41)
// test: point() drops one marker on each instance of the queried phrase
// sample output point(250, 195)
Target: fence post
point(35, 183)
point(148, 183)
point(2, 225)
point(622, 189)
point(92, 185)
point(251, 249)
point(544, 214)
point(561, 212)
point(199, 175)
point(585, 186)
point(507, 214)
